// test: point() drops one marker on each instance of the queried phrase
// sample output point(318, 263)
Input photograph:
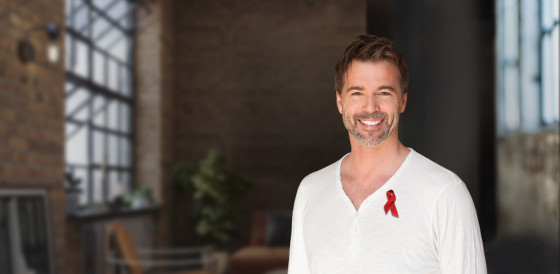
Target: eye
point(385, 93)
point(356, 93)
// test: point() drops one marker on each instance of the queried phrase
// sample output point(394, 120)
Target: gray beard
point(370, 140)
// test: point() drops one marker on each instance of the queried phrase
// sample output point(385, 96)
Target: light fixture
point(26, 51)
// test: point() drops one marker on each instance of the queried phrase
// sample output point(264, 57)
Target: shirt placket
point(355, 235)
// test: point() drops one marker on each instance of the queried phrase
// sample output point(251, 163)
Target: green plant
point(215, 191)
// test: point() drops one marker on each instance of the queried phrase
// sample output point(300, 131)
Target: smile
point(370, 123)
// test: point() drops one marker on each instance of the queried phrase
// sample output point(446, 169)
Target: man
point(382, 208)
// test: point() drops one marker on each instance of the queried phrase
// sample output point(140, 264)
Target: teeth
point(371, 123)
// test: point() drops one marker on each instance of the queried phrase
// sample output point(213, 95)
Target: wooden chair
point(123, 257)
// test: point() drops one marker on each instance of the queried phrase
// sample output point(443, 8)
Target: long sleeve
point(298, 263)
point(458, 239)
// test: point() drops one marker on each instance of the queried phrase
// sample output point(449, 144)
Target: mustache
point(374, 115)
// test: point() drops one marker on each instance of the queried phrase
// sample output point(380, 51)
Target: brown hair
point(370, 48)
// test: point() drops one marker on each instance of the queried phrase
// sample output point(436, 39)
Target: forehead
point(372, 74)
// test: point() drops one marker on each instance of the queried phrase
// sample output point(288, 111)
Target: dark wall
point(255, 79)
point(449, 47)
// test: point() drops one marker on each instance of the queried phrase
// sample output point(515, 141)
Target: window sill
point(105, 213)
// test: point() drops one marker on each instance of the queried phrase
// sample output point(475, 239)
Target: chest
point(337, 240)
point(359, 190)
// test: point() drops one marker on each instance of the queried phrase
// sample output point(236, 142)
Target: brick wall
point(32, 113)
point(255, 80)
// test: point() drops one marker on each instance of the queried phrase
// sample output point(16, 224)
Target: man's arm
point(298, 257)
point(459, 243)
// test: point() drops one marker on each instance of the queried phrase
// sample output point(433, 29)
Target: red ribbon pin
point(391, 198)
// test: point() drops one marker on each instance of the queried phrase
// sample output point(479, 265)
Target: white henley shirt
point(437, 229)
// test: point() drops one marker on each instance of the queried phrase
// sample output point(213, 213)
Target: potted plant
point(72, 192)
point(215, 191)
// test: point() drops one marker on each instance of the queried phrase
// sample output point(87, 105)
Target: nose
point(372, 103)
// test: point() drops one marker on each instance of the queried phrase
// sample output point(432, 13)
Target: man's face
point(370, 101)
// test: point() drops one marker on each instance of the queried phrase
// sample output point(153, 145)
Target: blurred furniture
point(25, 243)
point(123, 257)
point(278, 271)
point(269, 244)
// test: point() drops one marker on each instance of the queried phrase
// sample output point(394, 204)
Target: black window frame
point(514, 114)
point(122, 96)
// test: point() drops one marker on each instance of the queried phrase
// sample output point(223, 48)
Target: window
point(99, 97)
point(527, 65)
point(549, 60)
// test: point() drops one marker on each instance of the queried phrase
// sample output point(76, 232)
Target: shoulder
point(320, 179)
point(426, 182)
point(428, 174)
point(440, 183)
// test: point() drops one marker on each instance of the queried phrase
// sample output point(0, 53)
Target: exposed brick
point(31, 147)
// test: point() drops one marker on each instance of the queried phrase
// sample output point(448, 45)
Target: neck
point(386, 156)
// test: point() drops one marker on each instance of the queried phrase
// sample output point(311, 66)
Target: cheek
point(351, 102)
point(390, 105)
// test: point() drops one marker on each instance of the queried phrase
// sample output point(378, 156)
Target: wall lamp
point(26, 50)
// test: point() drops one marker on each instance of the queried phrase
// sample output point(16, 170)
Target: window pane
point(549, 80)
point(70, 87)
point(81, 17)
point(549, 13)
point(119, 50)
point(102, 4)
point(529, 65)
point(97, 186)
point(125, 181)
point(80, 66)
point(126, 88)
point(113, 150)
point(108, 39)
point(511, 97)
point(76, 100)
point(68, 10)
point(82, 115)
point(113, 75)
point(99, 68)
point(69, 128)
point(511, 30)
point(118, 10)
point(98, 147)
point(70, 52)
point(112, 112)
point(76, 152)
point(125, 118)
point(124, 153)
point(100, 25)
point(99, 110)
point(554, 74)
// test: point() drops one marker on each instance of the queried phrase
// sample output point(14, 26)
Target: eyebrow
point(361, 88)
point(386, 87)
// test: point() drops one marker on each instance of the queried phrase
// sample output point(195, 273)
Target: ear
point(338, 102)
point(403, 102)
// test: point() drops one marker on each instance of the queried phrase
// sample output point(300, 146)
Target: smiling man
point(382, 208)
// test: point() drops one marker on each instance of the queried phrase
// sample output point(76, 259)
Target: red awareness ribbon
point(391, 198)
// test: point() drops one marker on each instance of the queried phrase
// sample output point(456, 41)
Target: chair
point(123, 257)
point(268, 249)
